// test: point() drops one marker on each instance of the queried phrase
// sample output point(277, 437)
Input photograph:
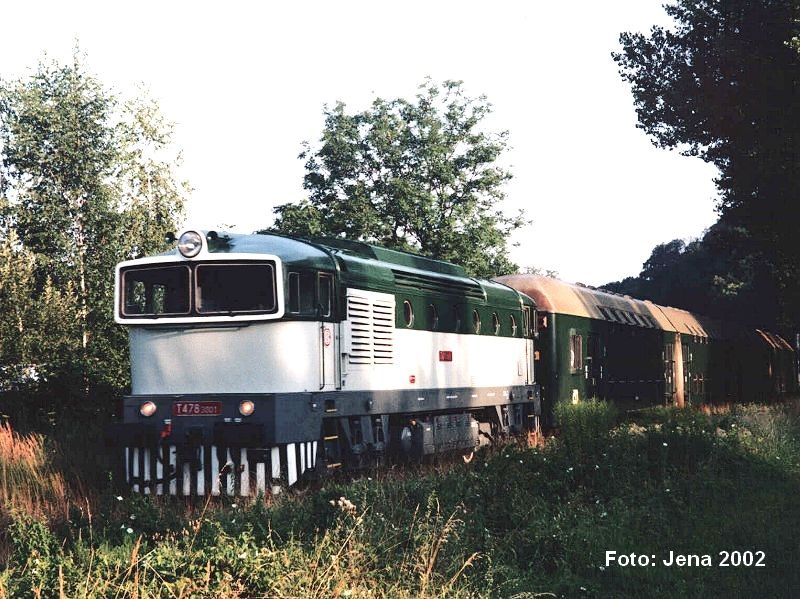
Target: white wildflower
point(345, 505)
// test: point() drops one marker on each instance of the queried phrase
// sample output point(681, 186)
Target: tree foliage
point(86, 180)
point(416, 175)
point(718, 275)
point(723, 85)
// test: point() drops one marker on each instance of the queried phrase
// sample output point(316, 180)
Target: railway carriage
point(593, 343)
point(258, 360)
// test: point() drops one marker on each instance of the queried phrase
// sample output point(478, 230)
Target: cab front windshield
point(198, 289)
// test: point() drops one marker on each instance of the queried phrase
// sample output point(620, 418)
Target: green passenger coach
point(596, 344)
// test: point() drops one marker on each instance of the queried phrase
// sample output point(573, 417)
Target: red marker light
point(445, 356)
point(412, 379)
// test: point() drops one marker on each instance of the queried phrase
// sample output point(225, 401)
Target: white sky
point(245, 83)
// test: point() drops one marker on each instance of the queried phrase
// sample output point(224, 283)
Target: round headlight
point(246, 407)
point(190, 244)
point(147, 409)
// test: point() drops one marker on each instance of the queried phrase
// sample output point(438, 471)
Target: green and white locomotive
point(259, 360)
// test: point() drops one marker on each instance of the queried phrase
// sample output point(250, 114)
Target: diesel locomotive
point(258, 360)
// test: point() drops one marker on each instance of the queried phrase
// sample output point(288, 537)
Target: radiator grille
point(449, 285)
point(371, 329)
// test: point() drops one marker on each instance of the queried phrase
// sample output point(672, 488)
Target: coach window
point(301, 293)
point(513, 322)
point(575, 352)
point(496, 323)
point(433, 317)
point(476, 322)
point(408, 314)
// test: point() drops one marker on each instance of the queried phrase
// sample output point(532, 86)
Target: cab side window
point(301, 293)
point(310, 294)
point(325, 294)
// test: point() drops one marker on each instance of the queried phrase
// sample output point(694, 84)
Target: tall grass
point(584, 426)
point(514, 522)
point(29, 482)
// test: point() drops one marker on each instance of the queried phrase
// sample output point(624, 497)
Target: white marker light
point(147, 409)
point(246, 407)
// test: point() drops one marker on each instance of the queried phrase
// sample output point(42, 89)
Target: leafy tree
point(723, 85)
point(718, 275)
point(38, 324)
point(88, 180)
point(416, 175)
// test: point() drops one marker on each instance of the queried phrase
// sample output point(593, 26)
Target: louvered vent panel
point(383, 332)
point(360, 315)
point(438, 284)
point(371, 329)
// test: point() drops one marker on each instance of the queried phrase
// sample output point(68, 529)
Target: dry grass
point(713, 409)
point(29, 483)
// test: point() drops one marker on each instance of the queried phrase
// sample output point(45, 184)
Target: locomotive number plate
point(197, 408)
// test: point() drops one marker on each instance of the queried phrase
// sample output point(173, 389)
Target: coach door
point(669, 373)
point(529, 329)
point(593, 367)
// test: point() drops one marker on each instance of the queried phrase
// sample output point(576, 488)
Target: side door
point(594, 366)
point(328, 337)
point(669, 373)
point(528, 325)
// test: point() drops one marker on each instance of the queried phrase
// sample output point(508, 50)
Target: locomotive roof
point(553, 295)
point(363, 264)
point(291, 251)
point(368, 266)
